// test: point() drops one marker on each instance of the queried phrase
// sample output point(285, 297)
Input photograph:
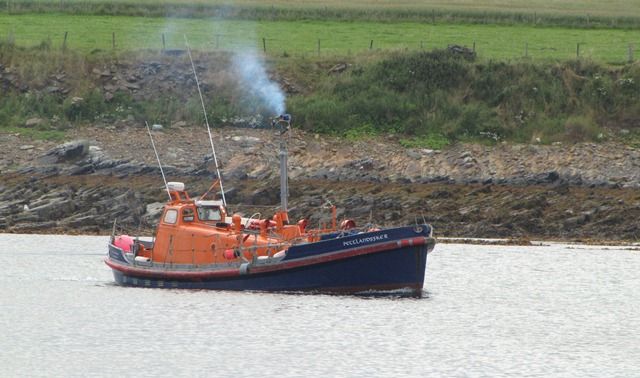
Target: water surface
point(488, 311)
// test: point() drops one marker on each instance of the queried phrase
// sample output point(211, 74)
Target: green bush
point(581, 128)
point(600, 91)
point(422, 71)
point(86, 107)
point(15, 108)
point(433, 141)
point(321, 114)
point(362, 131)
point(539, 129)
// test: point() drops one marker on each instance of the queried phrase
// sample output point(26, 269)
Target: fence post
point(535, 18)
point(526, 49)
point(474, 46)
point(371, 45)
point(264, 45)
point(578, 50)
point(421, 45)
point(164, 45)
point(64, 42)
point(318, 47)
point(630, 52)
point(113, 40)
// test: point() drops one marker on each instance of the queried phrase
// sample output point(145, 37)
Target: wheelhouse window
point(187, 215)
point(209, 214)
point(170, 216)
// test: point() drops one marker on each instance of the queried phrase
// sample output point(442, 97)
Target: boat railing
point(254, 216)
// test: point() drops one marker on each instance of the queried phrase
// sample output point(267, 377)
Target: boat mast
point(206, 121)
point(159, 164)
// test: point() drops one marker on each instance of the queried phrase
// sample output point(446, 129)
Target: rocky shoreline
point(568, 192)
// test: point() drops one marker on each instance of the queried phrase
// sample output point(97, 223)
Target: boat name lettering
point(369, 239)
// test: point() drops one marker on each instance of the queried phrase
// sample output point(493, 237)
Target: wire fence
point(623, 52)
point(618, 50)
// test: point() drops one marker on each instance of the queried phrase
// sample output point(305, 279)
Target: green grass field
point(300, 38)
point(612, 8)
point(570, 13)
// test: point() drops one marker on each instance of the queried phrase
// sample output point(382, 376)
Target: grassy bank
point(435, 98)
point(572, 13)
point(428, 99)
point(309, 38)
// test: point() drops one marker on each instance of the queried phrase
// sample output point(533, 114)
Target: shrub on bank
point(581, 128)
point(428, 96)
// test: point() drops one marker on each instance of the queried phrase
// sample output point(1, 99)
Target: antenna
point(158, 158)
point(206, 120)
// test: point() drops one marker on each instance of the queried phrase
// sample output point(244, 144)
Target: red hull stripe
point(172, 274)
point(313, 260)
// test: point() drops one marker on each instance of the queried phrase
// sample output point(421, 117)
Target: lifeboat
point(199, 245)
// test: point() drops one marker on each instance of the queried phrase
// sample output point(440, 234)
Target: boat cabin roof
point(208, 203)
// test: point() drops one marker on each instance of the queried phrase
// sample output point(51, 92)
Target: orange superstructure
point(201, 233)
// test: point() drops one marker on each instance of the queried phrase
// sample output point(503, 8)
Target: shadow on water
point(367, 295)
point(394, 294)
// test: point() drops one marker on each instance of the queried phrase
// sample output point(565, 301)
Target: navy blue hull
point(375, 261)
point(390, 270)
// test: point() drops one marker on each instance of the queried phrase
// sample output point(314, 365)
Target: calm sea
point(489, 311)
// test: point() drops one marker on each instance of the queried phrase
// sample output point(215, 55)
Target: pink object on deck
point(229, 254)
point(124, 242)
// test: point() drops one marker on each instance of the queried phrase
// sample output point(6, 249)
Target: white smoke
point(248, 64)
point(251, 67)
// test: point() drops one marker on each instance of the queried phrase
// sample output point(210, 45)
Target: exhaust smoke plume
point(251, 67)
point(260, 95)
